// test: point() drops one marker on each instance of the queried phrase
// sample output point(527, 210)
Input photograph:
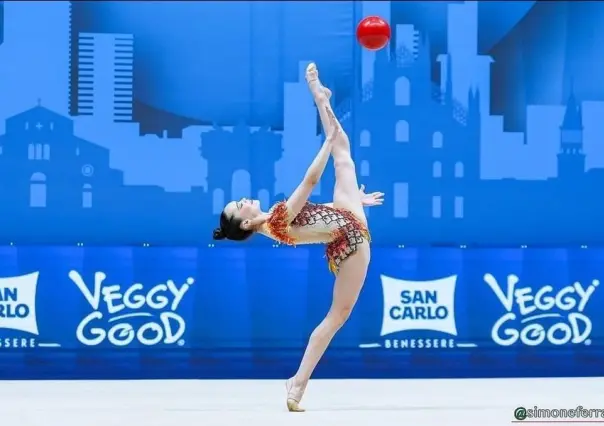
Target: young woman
point(341, 225)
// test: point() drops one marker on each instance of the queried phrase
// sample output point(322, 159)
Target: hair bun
point(219, 234)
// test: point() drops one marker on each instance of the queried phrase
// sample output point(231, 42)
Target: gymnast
point(341, 225)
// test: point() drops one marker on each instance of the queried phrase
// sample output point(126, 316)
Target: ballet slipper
point(312, 76)
point(294, 396)
point(312, 73)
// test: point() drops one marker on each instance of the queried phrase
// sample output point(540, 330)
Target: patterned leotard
point(318, 223)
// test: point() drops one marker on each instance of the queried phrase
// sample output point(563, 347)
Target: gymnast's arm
point(313, 175)
point(311, 178)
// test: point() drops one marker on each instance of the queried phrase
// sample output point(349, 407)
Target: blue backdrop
point(135, 122)
point(129, 125)
point(237, 312)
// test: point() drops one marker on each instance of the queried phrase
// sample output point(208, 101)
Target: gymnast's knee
point(343, 160)
point(340, 315)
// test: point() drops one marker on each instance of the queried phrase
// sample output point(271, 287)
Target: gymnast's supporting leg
point(348, 285)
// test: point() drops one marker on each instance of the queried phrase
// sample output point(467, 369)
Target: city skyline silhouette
point(81, 167)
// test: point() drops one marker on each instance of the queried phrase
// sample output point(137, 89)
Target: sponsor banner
point(248, 312)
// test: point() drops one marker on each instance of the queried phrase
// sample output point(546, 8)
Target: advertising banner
point(248, 312)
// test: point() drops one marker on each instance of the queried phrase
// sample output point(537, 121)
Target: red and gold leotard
point(341, 230)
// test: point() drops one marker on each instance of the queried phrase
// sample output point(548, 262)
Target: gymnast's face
point(243, 209)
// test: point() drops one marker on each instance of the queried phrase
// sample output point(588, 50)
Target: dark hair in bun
point(218, 234)
point(230, 229)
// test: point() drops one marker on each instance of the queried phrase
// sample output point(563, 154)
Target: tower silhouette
point(217, 147)
point(571, 158)
point(266, 151)
point(105, 76)
point(246, 164)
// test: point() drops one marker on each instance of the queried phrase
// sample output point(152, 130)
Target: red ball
point(373, 33)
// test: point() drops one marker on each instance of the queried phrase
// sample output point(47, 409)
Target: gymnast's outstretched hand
point(372, 199)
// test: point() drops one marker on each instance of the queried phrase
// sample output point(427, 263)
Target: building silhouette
point(451, 172)
point(429, 167)
point(237, 151)
point(105, 76)
point(51, 167)
point(420, 143)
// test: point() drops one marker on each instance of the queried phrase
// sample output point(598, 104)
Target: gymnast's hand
point(370, 200)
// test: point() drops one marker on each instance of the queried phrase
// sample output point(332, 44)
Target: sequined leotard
point(318, 223)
